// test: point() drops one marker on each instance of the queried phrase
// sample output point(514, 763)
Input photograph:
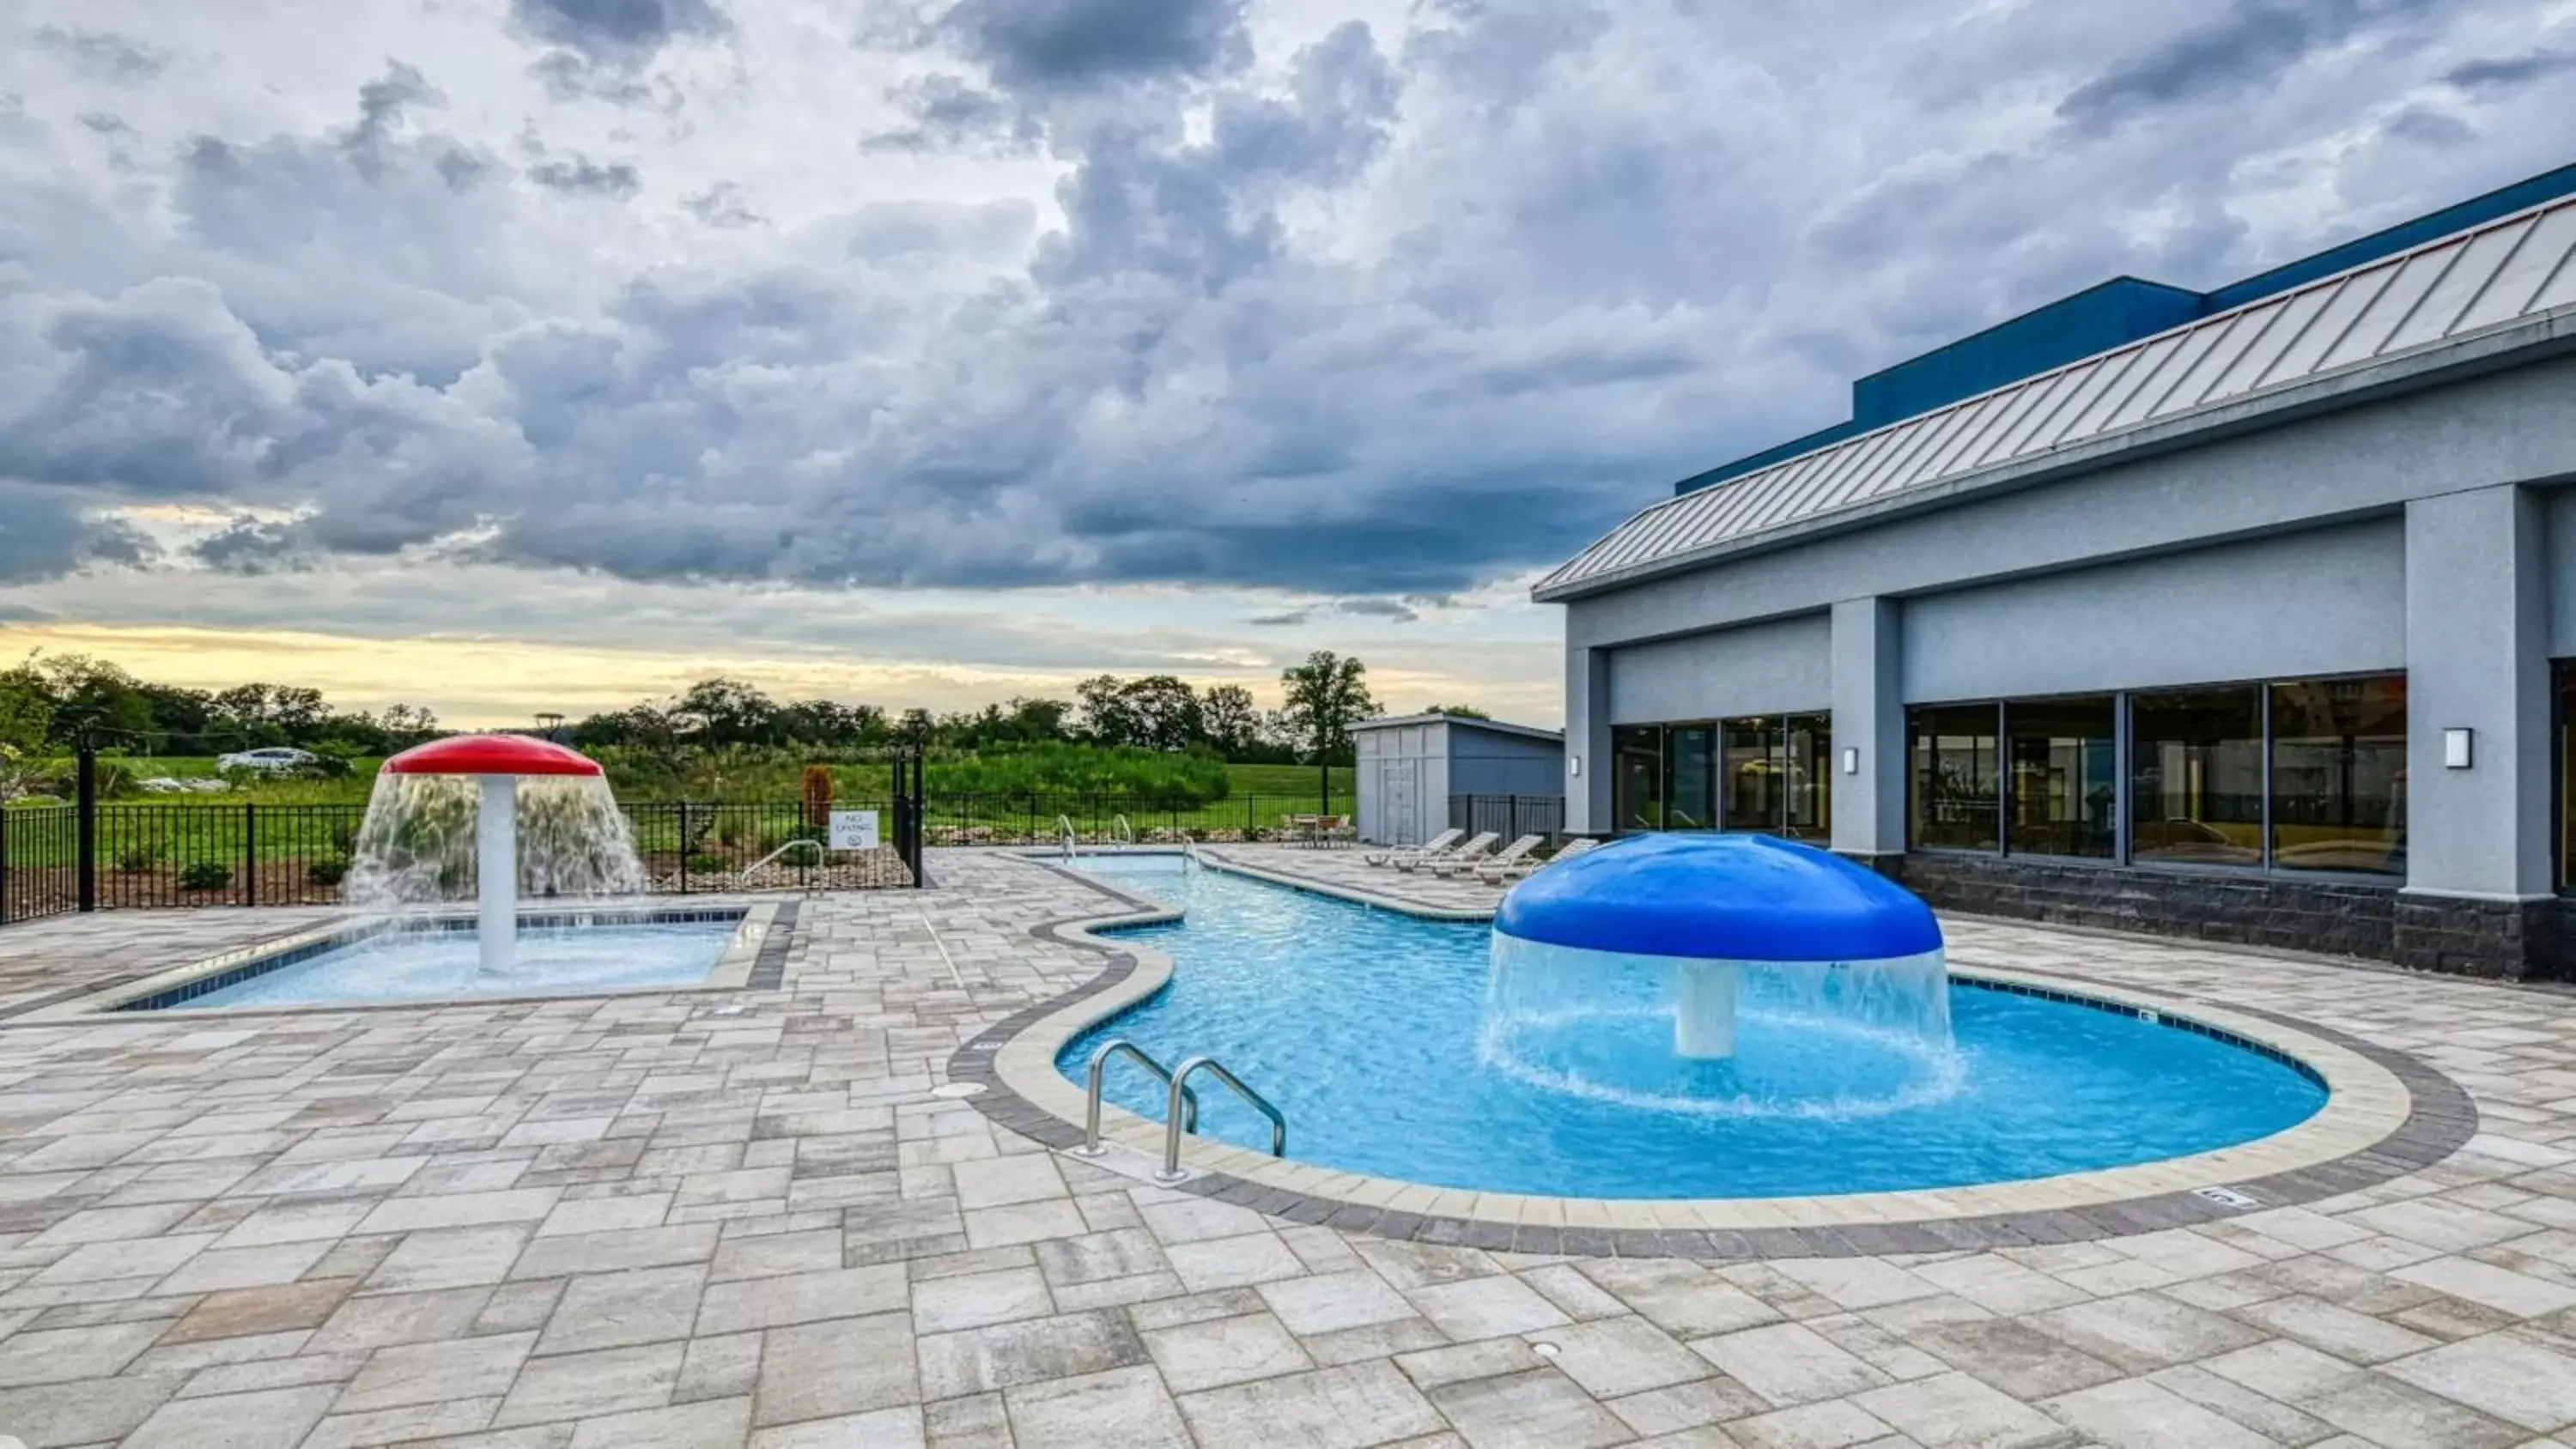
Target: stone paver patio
point(742, 1218)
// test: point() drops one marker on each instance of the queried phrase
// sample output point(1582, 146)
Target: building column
point(1587, 742)
point(2478, 894)
point(1869, 717)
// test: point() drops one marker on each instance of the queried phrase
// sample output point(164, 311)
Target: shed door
point(1396, 794)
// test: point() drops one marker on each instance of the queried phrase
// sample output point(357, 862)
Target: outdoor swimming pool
point(1369, 1030)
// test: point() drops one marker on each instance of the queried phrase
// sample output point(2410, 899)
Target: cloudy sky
point(509, 355)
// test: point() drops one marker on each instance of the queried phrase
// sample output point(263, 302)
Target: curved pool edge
point(2386, 1114)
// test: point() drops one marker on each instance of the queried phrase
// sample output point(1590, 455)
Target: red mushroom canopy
point(494, 754)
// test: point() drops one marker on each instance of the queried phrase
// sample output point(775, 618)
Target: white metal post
point(496, 844)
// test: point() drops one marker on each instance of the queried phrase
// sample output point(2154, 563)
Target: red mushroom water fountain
point(498, 762)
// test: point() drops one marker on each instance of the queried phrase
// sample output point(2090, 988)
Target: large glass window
point(1955, 751)
point(1688, 777)
point(1753, 783)
point(2339, 775)
point(2063, 765)
point(1808, 806)
point(1637, 777)
point(2196, 776)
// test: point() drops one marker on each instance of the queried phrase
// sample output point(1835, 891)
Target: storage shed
point(1413, 767)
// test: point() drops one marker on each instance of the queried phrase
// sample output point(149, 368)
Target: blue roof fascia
point(1756, 462)
point(2476, 211)
point(2108, 315)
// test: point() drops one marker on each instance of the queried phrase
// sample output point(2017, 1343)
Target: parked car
point(275, 760)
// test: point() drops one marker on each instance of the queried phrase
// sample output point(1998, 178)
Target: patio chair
point(1472, 850)
point(1504, 858)
point(1434, 846)
point(1527, 865)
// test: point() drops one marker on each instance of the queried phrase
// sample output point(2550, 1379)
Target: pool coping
point(2386, 1114)
point(755, 957)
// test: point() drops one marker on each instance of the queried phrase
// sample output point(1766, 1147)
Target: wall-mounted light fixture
point(2457, 744)
point(1574, 764)
point(1851, 759)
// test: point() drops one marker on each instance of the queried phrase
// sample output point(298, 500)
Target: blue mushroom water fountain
point(1737, 974)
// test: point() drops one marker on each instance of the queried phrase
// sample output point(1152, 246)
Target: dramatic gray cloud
point(2253, 43)
point(2511, 72)
point(582, 176)
point(104, 54)
point(1047, 45)
point(602, 45)
point(1357, 302)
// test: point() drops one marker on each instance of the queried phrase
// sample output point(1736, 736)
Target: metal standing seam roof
point(2447, 289)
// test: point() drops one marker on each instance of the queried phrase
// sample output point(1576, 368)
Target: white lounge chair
point(1473, 849)
point(1465, 857)
point(1436, 845)
point(1526, 865)
point(1492, 866)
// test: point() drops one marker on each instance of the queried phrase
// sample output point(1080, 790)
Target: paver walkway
point(742, 1218)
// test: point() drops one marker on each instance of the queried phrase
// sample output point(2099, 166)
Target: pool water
point(435, 964)
point(1369, 1030)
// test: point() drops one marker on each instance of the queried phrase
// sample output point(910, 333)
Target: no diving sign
point(854, 830)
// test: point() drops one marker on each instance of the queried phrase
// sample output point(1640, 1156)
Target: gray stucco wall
point(1768, 668)
point(1483, 762)
point(2505, 427)
point(2327, 601)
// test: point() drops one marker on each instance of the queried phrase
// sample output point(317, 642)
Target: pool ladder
point(1180, 1104)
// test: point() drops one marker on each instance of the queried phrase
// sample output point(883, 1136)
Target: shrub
point(205, 875)
point(136, 859)
point(1148, 778)
point(328, 871)
point(710, 865)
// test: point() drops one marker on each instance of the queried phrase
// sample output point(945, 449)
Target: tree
point(1457, 711)
point(722, 711)
point(26, 710)
point(1107, 716)
point(1326, 696)
point(94, 695)
point(1038, 719)
point(1165, 710)
point(1232, 720)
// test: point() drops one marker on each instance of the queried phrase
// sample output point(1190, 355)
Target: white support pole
point(1704, 1011)
point(496, 846)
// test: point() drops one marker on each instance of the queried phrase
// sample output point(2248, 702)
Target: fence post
point(250, 854)
point(4, 864)
point(684, 847)
point(85, 858)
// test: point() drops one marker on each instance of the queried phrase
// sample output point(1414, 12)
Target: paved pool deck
point(743, 1218)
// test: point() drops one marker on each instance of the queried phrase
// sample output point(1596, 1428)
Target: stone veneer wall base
point(2510, 940)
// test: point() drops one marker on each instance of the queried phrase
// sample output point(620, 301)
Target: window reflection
point(1687, 778)
point(1807, 806)
point(1954, 758)
point(1637, 777)
point(2196, 783)
point(2339, 775)
point(2063, 784)
point(1753, 782)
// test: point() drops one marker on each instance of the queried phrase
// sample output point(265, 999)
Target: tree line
point(1325, 696)
point(48, 703)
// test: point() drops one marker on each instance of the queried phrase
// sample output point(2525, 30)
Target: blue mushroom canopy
point(1719, 897)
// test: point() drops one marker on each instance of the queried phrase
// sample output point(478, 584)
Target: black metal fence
point(38, 848)
point(208, 853)
point(1510, 816)
point(1041, 819)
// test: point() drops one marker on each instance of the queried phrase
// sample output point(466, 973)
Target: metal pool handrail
point(1065, 832)
point(1172, 1115)
point(1187, 1112)
point(1121, 831)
